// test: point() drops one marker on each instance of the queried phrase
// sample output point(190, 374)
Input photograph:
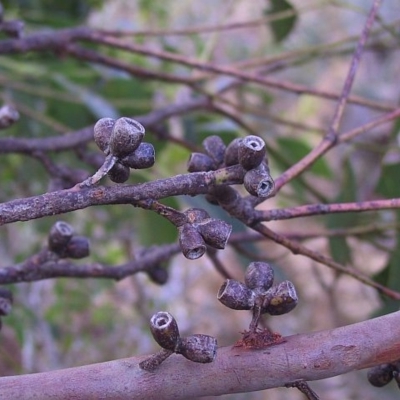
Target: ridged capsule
point(126, 136)
point(215, 148)
point(198, 348)
point(59, 236)
point(143, 157)
point(102, 133)
point(281, 299)
point(215, 232)
point(119, 173)
point(236, 295)
point(259, 275)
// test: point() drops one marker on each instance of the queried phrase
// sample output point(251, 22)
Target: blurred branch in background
point(199, 78)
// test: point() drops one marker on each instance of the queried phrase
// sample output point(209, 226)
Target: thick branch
point(308, 357)
point(64, 201)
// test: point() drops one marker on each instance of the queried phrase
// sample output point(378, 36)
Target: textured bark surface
point(311, 356)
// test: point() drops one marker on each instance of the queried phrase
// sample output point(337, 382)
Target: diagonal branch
point(308, 357)
point(297, 248)
point(331, 137)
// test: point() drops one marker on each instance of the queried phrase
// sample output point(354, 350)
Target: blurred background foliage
point(70, 322)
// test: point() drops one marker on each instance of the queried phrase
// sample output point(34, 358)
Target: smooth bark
point(310, 356)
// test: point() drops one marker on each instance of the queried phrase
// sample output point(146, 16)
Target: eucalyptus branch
point(58, 41)
point(238, 207)
point(322, 209)
point(229, 71)
point(331, 137)
point(75, 139)
point(68, 200)
point(46, 265)
point(95, 57)
point(297, 248)
point(305, 357)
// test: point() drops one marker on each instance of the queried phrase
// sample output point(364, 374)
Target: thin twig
point(321, 209)
point(302, 385)
point(45, 265)
point(331, 137)
point(297, 248)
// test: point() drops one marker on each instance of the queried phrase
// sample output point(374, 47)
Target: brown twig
point(321, 209)
point(331, 137)
point(144, 73)
point(297, 248)
point(212, 255)
point(63, 201)
point(45, 265)
point(226, 70)
point(59, 41)
point(76, 139)
point(200, 29)
point(302, 385)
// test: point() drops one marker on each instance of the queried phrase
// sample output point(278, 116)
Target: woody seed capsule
point(215, 148)
point(165, 330)
point(143, 157)
point(215, 232)
point(198, 348)
point(59, 236)
point(258, 182)
point(119, 173)
point(199, 162)
point(77, 247)
point(102, 133)
point(232, 152)
point(191, 242)
point(126, 136)
point(251, 152)
point(380, 375)
point(259, 275)
point(236, 295)
point(281, 299)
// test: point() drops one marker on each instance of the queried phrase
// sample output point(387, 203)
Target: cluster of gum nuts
point(122, 140)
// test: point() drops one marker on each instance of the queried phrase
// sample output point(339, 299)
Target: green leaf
point(281, 27)
point(390, 277)
point(293, 150)
point(339, 248)
point(388, 185)
point(154, 229)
